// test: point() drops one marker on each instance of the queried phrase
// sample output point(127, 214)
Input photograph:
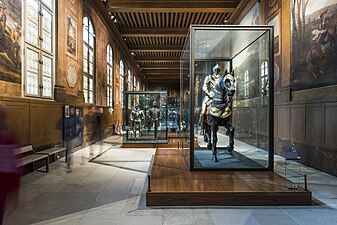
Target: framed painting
point(71, 36)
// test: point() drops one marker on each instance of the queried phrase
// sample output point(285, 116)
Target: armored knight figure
point(224, 90)
point(137, 117)
point(221, 107)
point(208, 88)
point(154, 116)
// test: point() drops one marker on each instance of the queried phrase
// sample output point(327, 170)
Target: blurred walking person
point(9, 172)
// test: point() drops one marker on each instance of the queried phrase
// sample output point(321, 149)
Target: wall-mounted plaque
point(71, 76)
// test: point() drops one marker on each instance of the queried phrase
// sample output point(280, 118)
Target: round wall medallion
point(71, 76)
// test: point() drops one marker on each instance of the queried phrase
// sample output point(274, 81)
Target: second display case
point(145, 117)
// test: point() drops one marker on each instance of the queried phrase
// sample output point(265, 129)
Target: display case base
point(172, 184)
point(163, 144)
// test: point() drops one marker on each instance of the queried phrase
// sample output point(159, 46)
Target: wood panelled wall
point(34, 122)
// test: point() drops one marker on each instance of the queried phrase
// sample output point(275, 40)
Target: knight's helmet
point(216, 71)
point(154, 104)
point(230, 83)
point(136, 105)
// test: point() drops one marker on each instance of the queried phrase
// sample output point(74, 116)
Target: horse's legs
point(206, 128)
point(215, 129)
point(208, 136)
point(230, 133)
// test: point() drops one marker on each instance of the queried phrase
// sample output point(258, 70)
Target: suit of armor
point(154, 115)
point(137, 116)
point(208, 88)
point(221, 108)
point(224, 90)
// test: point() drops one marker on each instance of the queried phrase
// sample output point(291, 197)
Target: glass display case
point(226, 80)
point(145, 117)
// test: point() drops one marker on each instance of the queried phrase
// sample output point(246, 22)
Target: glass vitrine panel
point(222, 94)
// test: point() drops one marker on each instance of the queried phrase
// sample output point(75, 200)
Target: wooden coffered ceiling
point(155, 30)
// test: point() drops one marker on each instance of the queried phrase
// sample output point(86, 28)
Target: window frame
point(122, 80)
point(86, 74)
point(38, 47)
point(110, 74)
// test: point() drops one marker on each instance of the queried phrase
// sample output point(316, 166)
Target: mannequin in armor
point(224, 90)
point(154, 116)
point(208, 88)
point(137, 117)
point(221, 110)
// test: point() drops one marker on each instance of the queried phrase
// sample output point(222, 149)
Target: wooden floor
point(172, 184)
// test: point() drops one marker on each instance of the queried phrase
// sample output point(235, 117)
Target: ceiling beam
point(160, 67)
point(169, 70)
point(157, 59)
point(153, 32)
point(163, 75)
point(163, 81)
point(156, 48)
point(172, 6)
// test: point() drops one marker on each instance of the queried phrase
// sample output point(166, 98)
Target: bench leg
point(47, 164)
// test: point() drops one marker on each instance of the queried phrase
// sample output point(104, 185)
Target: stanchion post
point(148, 183)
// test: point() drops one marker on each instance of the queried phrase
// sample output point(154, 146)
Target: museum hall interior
point(168, 112)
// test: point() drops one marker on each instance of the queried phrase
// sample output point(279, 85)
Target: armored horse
point(219, 113)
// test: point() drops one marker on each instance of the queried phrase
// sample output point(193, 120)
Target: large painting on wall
point(253, 17)
point(314, 45)
point(71, 36)
point(10, 40)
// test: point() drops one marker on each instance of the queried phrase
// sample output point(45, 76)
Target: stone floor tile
point(137, 220)
point(186, 217)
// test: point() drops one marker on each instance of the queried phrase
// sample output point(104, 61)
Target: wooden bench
point(52, 151)
point(33, 157)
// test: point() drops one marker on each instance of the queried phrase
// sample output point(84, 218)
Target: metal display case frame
point(263, 36)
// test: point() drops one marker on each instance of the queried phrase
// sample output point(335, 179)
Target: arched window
point(109, 69)
point(246, 83)
point(121, 72)
point(264, 77)
point(88, 60)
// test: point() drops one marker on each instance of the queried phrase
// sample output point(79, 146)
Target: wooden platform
point(169, 144)
point(172, 184)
